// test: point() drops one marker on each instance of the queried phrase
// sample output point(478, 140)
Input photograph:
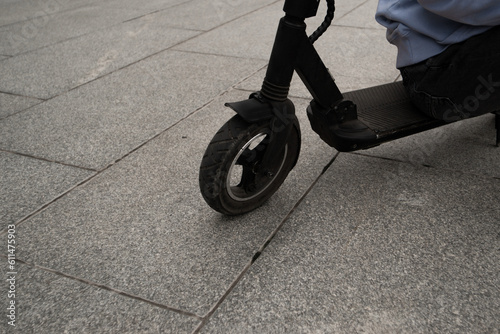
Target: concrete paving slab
point(381, 243)
point(214, 13)
point(359, 255)
point(12, 11)
point(50, 71)
point(362, 16)
point(254, 33)
point(51, 303)
point(11, 104)
point(46, 30)
point(467, 146)
point(142, 226)
point(96, 124)
point(153, 5)
point(26, 184)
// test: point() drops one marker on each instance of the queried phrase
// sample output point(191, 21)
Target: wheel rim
point(242, 178)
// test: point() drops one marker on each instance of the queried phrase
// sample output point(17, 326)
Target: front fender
point(257, 108)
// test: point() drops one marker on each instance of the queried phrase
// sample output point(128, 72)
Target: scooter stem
point(293, 51)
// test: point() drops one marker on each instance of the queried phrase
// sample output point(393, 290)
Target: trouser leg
point(461, 82)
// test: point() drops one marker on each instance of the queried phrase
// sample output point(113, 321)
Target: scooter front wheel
point(230, 178)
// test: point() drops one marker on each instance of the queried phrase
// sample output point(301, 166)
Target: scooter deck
point(388, 111)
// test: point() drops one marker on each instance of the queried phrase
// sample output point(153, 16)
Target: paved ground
point(106, 108)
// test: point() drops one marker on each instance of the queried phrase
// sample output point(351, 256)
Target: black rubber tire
point(225, 152)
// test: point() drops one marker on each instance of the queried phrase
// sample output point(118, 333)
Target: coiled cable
point(326, 22)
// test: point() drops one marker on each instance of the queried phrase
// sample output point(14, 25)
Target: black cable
point(326, 22)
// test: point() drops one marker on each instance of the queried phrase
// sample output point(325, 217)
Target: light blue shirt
point(424, 28)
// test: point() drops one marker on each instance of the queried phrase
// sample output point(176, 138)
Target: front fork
point(292, 51)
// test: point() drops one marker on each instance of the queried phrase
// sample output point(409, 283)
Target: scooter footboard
point(388, 111)
point(385, 110)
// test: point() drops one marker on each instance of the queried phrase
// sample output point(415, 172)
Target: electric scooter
point(251, 155)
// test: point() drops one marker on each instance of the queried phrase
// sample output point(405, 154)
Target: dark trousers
point(461, 82)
